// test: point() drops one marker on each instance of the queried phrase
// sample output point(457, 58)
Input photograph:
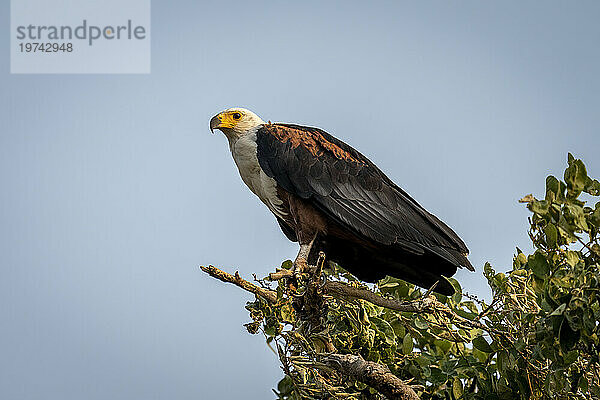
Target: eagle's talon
point(300, 266)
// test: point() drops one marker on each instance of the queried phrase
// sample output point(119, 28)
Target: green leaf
point(407, 344)
point(567, 337)
point(570, 357)
point(386, 282)
point(457, 388)
point(402, 290)
point(538, 264)
point(482, 345)
point(583, 384)
point(455, 284)
point(272, 330)
point(488, 271)
point(551, 235)
point(595, 216)
point(539, 207)
point(480, 355)
point(285, 386)
point(457, 296)
point(552, 188)
point(287, 313)
point(559, 310)
point(592, 187)
point(575, 216)
point(398, 326)
point(423, 360)
point(443, 345)
point(572, 258)
point(385, 329)
point(421, 323)
point(519, 260)
point(575, 178)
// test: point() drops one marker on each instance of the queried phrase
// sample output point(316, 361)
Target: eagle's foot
point(300, 266)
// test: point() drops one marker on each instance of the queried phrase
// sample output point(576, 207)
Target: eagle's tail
point(371, 265)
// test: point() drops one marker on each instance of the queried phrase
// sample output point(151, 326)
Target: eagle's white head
point(235, 122)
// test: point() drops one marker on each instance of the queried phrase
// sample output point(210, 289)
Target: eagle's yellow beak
point(215, 123)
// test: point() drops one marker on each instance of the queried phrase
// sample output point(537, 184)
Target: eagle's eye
point(237, 115)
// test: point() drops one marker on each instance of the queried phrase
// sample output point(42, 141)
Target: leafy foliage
point(537, 338)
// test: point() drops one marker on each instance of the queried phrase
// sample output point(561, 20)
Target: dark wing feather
point(351, 190)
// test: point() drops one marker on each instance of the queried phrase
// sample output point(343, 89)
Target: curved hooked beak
point(215, 123)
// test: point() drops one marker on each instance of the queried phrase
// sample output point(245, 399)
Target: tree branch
point(376, 375)
point(269, 295)
point(280, 274)
point(342, 289)
point(373, 374)
point(332, 288)
point(427, 304)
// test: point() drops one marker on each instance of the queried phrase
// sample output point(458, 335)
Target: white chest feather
point(243, 151)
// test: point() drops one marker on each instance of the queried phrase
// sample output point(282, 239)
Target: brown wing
point(351, 190)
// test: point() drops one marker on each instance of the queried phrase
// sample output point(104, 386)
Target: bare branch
point(269, 295)
point(373, 374)
point(280, 274)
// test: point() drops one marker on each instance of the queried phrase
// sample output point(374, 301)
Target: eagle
point(329, 197)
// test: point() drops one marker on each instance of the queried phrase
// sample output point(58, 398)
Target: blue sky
point(114, 191)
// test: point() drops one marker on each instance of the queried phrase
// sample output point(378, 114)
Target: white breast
point(244, 154)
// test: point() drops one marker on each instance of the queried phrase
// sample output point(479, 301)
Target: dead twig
point(280, 274)
point(269, 295)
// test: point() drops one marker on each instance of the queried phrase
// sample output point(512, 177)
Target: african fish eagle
point(328, 197)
